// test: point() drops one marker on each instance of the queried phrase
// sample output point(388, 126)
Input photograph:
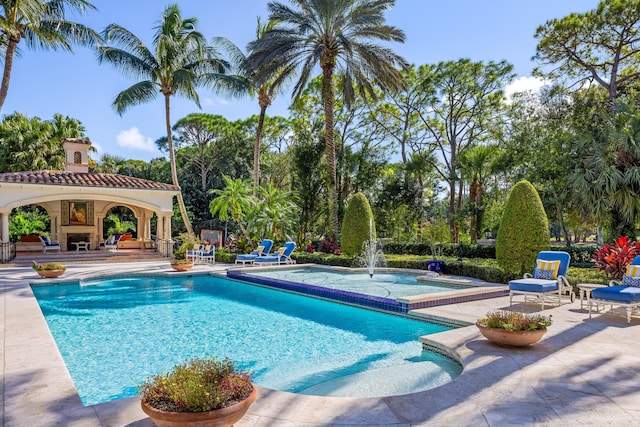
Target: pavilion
point(77, 201)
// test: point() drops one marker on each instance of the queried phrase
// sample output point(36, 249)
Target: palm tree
point(180, 61)
point(265, 91)
point(337, 35)
point(43, 25)
point(235, 200)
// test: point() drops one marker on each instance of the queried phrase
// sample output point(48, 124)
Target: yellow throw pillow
point(260, 250)
point(633, 270)
point(207, 249)
point(547, 269)
point(281, 251)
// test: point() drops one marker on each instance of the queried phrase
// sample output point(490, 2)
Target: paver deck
point(584, 372)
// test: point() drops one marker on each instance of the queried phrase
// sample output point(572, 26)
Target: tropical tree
point(337, 35)
point(465, 106)
point(181, 60)
point(265, 90)
point(43, 25)
point(30, 144)
point(234, 201)
point(601, 46)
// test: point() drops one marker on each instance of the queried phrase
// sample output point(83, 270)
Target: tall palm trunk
point(264, 101)
point(8, 66)
point(172, 161)
point(327, 96)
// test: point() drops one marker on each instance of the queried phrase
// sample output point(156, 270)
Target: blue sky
point(73, 84)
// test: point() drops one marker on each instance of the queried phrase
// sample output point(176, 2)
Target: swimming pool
point(114, 333)
point(392, 290)
point(382, 284)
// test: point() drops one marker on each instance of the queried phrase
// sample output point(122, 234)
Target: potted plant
point(202, 391)
point(49, 270)
point(180, 261)
point(512, 328)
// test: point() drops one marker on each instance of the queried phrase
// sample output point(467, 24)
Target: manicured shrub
point(524, 230)
point(355, 225)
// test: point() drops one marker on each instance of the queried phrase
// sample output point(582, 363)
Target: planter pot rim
point(219, 417)
point(511, 338)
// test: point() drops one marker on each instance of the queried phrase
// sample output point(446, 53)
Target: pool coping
point(469, 289)
point(575, 375)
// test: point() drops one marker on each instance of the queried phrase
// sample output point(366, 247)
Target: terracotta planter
point(224, 417)
point(511, 338)
point(50, 274)
point(182, 267)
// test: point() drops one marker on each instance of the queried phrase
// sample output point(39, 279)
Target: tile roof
point(83, 179)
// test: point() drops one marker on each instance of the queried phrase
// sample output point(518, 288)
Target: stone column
point(4, 230)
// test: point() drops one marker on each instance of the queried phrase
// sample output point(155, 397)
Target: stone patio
point(583, 372)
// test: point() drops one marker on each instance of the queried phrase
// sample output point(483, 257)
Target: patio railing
point(7, 252)
point(164, 247)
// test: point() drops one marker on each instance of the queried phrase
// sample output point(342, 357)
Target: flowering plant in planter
point(198, 385)
point(515, 321)
point(49, 266)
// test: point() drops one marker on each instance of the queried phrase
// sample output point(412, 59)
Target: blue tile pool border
point(347, 297)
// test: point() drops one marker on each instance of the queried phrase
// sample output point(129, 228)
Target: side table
point(585, 290)
point(81, 245)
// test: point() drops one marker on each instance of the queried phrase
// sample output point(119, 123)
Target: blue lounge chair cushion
point(267, 259)
point(246, 257)
point(533, 285)
point(628, 294)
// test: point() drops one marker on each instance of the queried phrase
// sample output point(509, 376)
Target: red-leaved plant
point(614, 259)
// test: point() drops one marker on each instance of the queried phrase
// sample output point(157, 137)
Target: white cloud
point(132, 138)
point(98, 147)
point(524, 84)
point(208, 101)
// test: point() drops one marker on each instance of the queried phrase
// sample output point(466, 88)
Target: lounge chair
point(623, 294)
point(111, 244)
point(207, 255)
point(548, 282)
point(263, 250)
point(49, 245)
point(283, 256)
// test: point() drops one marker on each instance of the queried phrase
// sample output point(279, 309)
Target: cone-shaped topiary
point(355, 225)
point(524, 230)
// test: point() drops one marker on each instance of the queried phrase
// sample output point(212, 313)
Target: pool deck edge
point(582, 372)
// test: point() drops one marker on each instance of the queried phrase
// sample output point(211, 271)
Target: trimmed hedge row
point(580, 255)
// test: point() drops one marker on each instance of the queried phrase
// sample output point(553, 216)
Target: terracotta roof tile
point(83, 179)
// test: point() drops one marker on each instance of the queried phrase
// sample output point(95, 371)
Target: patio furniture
point(81, 245)
point(264, 248)
point(111, 244)
point(49, 245)
point(548, 282)
point(624, 293)
point(283, 256)
point(585, 290)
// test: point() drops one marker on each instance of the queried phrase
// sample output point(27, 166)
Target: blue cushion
point(617, 293)
point(268, 258)
point(630, 281)
point(543, 274)
point(246, 257)
point(533, 285)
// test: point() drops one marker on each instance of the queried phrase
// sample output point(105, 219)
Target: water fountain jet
point(372, 255)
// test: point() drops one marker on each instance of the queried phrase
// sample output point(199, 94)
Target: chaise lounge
point(283, 256)
point(263, 250)
point(624, 294)
point(548, 283)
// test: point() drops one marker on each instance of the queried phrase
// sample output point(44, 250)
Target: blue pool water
point(114, 333)
point(382, 284)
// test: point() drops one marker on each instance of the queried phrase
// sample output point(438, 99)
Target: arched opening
point(120, 220)
point(28, 222)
